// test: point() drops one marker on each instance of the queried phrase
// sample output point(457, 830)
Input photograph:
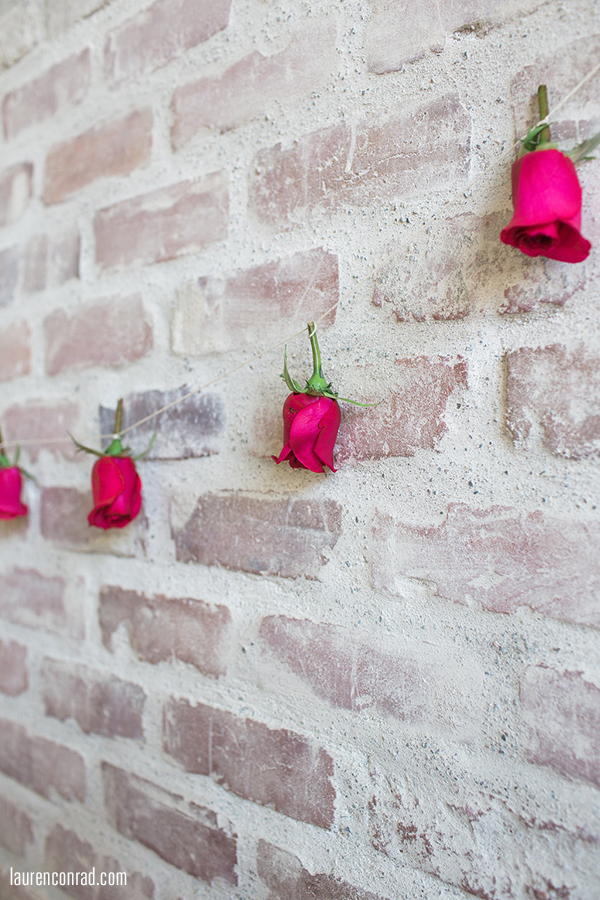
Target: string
point(415, 232)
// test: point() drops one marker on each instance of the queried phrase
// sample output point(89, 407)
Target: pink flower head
point(117, 491)
point(546, 198)
point(11, 483)
point(310, 427)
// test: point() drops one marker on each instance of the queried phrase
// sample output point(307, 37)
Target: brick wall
point(382, 684)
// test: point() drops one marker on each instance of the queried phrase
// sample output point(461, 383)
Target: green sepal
point(531, 140)
point(82, 448)
point(579, 153)
point(5, 462)
point(27, 474)
point(147, 450)
point(115, 448)
point(290, 382)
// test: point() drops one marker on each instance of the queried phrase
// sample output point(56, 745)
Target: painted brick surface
point(109, 333)
point(190, 839)
point(561, 711)
point(50, 260)
point(40, 764)
point(13, 668)
point(38, 601)
point(21, 28)
point(410, 418)
point(376, 165)
point(274, 767)
point(63, 14)
point(258, 534)
point(63, 85)
point(16, 828)
point(246, 89)
point(9, 275)
point(99, 703)
point(38, 420)
point(557, 391)
point(15, 352)
point(15, 191)
point(250, 307)
point(190, 429)
point(112, 149)
point(160, 33)
point(164, 224)
point(164, 628)
point(11, 892)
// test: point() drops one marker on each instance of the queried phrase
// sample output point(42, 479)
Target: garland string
point(417, 230)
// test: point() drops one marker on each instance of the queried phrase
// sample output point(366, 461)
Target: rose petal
point(11, 483)
point(305, 432)
point(328, 430)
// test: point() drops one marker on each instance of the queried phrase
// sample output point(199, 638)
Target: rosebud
point(310, 427)
point(11, 483)
point(117, 491)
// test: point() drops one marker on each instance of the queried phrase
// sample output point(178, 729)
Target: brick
point(411, 417)
point(373, 164)
point(189, 839)
point(555, 390)
point(15, 351)
point(248, 87)
point(16, 185)
point(42, 421)
point(63, 520)
point(63, 85)
point(16, 828)
point(51, 260)
point(66, 851)
point(274, 767)
point(192, 429)
point(62, 14)
point(10, 891)
point(165, 628)
point(41, 765)
point(9, 274)
point(460, 267)
point(250, 307)
point(400, 32)
point(116, 148)
point(561, 720)
point(100, 704)
point(14, 678)
point(287, 879)
point(21, 28)
point(163, 224)
point(499, 557)
point(283, 536)
point(31, 599)
point(161, 33)
point(107, 333)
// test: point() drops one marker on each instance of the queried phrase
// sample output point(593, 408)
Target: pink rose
point(546, 198)
point(11, 483)
point(310, 427)
point(117, 491)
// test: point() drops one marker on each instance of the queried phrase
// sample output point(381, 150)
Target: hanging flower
point(11, 484)
point(546, 196)
point(116, 485)
point(311, 418)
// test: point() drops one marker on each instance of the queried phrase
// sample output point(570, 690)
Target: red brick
point(16, 186)
point(163, 628)
point(164, 224)
point(99, 704)
point(189, 839)
point(400, 32)
point(250, 307)
point(161, 33)
point(500, 558)
point(116, 148)
point(287, 879)
point(14, 677)
point(66, 851)
point(561, 717)
point(273, 767)
point(461, 267)
point(31, 599)
point(16, 828)
point(63, 85)
point(283, 536)
point(557, 390)
point(15, 351)
point(40, 420)
point(41, 765)
point(410, 418)
point(63, 520)
point(191, 429)
point(106, 333)
point(9, 274)
point(247, 88)
point(51, 260)
point(377, 164)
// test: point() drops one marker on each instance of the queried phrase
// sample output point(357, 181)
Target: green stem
point(543, 105)
point(316, 382)
point(119, 416)
point(4, 460)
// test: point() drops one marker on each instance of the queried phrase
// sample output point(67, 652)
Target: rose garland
point(546, 195)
